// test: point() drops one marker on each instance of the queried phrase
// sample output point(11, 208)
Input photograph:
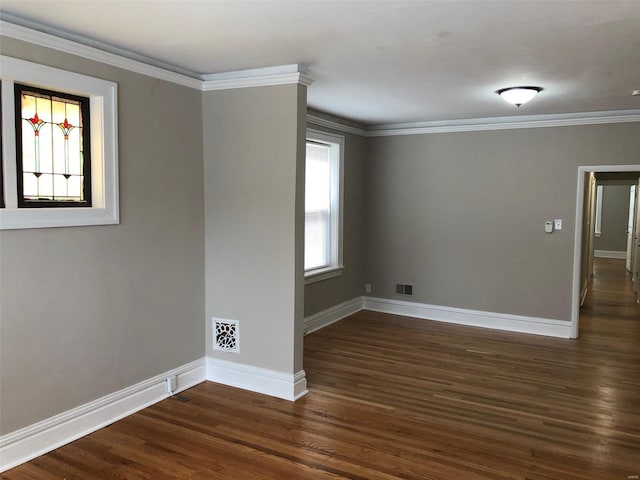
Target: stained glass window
point(53, 148)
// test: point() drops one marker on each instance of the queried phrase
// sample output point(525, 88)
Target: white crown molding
point(481, 124)
point(27, 443)
point(107, 54)
point(281, 75)
point(256, 77)
point(334, 125)
point(98, 54)
point(505, 123)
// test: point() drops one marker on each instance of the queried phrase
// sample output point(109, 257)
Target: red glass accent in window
point(66, 127)
point(36, 123)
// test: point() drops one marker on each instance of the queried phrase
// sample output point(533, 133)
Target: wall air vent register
point(226, 335)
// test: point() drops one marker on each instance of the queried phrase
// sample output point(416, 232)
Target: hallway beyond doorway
point(610, 308)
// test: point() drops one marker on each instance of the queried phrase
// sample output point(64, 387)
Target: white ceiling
point(383, 62)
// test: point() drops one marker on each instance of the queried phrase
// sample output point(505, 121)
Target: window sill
point(103, 100)
point(22, 218)
point(323, 274)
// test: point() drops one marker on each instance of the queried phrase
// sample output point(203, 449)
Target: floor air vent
point(226, 335)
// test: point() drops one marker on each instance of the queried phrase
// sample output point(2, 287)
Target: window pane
point(75, 151)
point(58, 111)
point(60, 186)
point(53, 163)
point(75, 186)
point(28, 149)
point(44, 146)
point(318, 178)
point(317, 206)
point(57, 150)
point(30, 185)
point(316, 253)
point(45, 185)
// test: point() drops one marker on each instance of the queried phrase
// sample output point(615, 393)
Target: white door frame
point(577, 242)
point(633, 195)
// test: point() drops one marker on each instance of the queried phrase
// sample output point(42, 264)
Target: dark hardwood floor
point(395, 397)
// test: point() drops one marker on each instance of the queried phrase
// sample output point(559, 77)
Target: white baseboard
point(609, 254)
point(255, 379)
point(42, 437)
point(27, 443)
point(474, 318)
point(332, 315)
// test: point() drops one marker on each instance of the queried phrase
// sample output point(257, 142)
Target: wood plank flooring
point(399, 398)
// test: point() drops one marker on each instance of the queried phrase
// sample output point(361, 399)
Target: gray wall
point(615, 218)
point(254, 206)
point(461, 215)
point(327, 293)
point(86, 311)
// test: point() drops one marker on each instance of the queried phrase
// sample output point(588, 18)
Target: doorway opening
point(585, 230)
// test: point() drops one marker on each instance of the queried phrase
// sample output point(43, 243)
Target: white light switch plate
point(557, 224)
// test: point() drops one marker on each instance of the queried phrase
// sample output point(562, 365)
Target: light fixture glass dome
point(518, 95)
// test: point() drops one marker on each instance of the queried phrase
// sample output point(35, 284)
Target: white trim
point(103, 99)
point(331, 315)
point(335, 143)
point(609, 254)
point(8, 146)
point(577, 237)
point(315, 276)
point(598, 219)
point(42, 437)
point(261, 81)
point(482, 124)
point(256, 77)
point(474, 318)
point(98, 53)
point(255, 379)
point(110, 55)
point(505, 123)
point(334, 125)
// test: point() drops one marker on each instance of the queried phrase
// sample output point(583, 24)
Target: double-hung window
point(59, 147)
point(323, 206)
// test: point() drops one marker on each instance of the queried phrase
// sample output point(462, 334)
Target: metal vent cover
point(226, 335)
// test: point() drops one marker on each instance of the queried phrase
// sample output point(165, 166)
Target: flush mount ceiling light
point(518, 95)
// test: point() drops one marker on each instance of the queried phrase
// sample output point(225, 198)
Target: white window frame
point(104, 149)
point(336, 156)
